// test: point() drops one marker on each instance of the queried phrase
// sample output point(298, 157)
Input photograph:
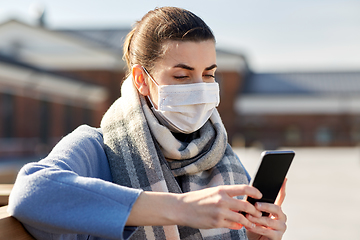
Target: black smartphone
point(270, 175)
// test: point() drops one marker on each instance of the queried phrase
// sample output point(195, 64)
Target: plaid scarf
point(144, 154)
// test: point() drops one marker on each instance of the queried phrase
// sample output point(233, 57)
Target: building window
point(87, 116)
point(293, 135)
point(355, 134)
point(45, 121)
point(323, 136)
point(68, 119)
point(8, 112)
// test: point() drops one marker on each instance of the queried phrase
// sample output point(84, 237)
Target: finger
point(264, 231)
point(235, 226)
point(267, 222)
point(238, 190)
point(236, 220)
point(244, 206)
point(281, 196)
point(273, 209)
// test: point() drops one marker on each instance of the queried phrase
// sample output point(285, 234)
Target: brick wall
point(272, 131)
point(36, 125)
point(110, 79)
point(230, 84)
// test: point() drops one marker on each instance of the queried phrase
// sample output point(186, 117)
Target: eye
point(210, 76)
point(181, 77)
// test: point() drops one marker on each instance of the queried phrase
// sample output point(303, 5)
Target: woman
point(160, 159)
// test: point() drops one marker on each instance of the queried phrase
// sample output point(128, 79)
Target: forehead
point(194, 54)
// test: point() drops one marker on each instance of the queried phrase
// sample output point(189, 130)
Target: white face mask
point(185, 108)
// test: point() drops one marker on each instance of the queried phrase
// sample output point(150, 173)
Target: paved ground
point(323, 192)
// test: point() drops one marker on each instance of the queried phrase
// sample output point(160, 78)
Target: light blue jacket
point(70, 194)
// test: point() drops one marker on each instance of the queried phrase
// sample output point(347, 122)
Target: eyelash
point(182, 77)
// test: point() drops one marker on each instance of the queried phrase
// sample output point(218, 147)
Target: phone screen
point(271, 175)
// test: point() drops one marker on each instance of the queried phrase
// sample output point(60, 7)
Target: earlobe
point(139, 80)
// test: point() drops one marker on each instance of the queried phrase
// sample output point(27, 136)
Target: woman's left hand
point(272, 227)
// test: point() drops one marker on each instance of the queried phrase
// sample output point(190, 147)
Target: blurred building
point(51, 81)
point(299, 109)
point(37, 107)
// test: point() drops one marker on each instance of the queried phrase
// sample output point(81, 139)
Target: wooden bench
point(10, 228)
point(5, 190)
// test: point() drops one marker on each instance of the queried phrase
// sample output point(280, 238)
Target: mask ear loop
point(147, 73)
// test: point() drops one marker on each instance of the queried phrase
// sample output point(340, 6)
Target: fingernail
point(258, 204)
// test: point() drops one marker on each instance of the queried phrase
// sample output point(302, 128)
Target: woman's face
point(183, 63)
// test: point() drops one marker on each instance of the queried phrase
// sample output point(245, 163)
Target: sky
point(274, 35)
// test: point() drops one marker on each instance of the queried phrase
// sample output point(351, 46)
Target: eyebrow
point(211, 67)
point(184, 66)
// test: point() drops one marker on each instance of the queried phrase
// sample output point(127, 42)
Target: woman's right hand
point(216, 208)
point(213, 207)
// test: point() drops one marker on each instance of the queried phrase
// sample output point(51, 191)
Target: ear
point(138, 75)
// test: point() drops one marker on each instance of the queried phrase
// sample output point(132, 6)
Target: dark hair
point(144, 43)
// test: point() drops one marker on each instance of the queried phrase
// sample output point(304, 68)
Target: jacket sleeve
point(70, 191)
